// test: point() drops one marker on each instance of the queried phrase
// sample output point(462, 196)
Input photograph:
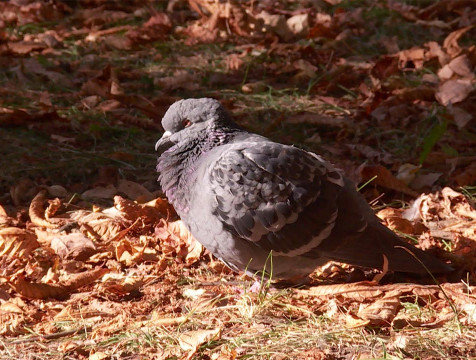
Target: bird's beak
point(164, 142)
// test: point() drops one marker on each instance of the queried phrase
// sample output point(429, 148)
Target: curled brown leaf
point(37, 212)
point(34, 290)
point(76, 281)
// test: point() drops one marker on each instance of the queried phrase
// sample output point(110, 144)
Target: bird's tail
point(376, 241)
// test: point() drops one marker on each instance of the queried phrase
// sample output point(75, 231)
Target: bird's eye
point(186, 123)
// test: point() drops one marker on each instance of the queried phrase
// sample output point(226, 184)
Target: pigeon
point(267, 208)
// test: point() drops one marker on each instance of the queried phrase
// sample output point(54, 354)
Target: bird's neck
point(177, 166)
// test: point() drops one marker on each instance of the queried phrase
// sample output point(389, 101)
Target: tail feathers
point(376, 241)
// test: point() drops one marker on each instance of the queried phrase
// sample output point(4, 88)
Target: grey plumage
point(245, 197)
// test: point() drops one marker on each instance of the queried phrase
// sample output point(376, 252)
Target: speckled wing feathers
point(277, 196)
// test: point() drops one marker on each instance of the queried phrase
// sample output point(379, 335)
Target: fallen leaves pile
point(95, 264)
point(69, 270)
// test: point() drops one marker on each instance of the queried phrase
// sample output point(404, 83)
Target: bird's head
point(186, 119)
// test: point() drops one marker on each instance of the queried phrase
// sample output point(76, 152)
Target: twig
point(52, 336)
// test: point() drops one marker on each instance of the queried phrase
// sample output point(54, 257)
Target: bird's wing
point(279, 197)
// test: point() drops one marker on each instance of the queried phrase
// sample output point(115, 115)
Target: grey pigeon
point(258, 205)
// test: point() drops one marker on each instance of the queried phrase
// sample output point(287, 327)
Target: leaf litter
point(95, 263)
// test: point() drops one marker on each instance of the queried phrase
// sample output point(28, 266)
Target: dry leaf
point(133, 211)
point(18, 243)
point(411, 58)
point(378, 277)
point(219, 267)
point(62, 140)
point(23, 191)
point(194, 294)
point(163, 206)
point(461, 118)
point(11, 307)
point(44, 237)
point(74, 246)
point(106, 84)
point(156, 28)
point(53, 206)
point(228, 16)
point(352, 321)
point(33, 66)
point(90, 102)
point(18, 117)
point(275, 23)
point(254, 88)
point(467, 176)
point(470, 310)
point(98, 355)
point(385, 179)
point(3, 212)
point(161, 320)
point(37, 213)
point(134, 191)
point(57, 190)
point(121, 284)
point(234, 62)
point(382, 311)
point(22, 47)
point(70, 347)
point(435, 51)
point(181, 79)
point(100, 192)
point(75, 281)
point(51, 38)
point(324, 27)
point(307, 69)
point(5, 220)
point(192, 340)
point(360, 291)
point(299, 24)
point(101, 226)
point(175, 238)
point(407, 172)
point(446, 204)
point(464, 245)
point(100, 15)
point(39, 290)
point(109, 105)
point(12, 319)
point(422, 181)
point(393, 219)
point(401, 322)
point(129, 255)
point(450, 44)
point(460, 65)
point(379, 156)
point(454, 91)
point(120, 322)
point(400, 341)
point(94, 36)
